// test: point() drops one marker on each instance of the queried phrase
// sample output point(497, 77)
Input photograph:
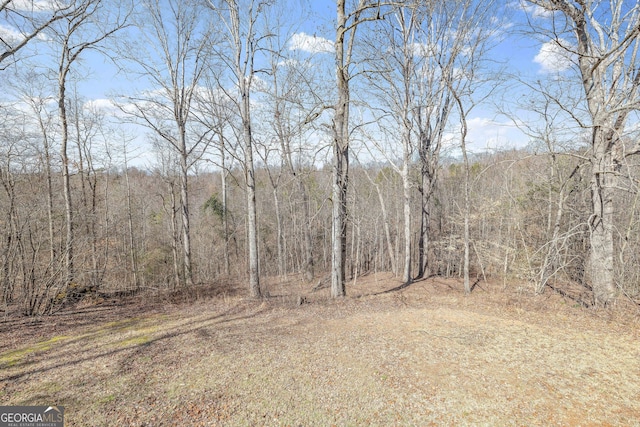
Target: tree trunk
point(225, 220)
point(132, 241)
point(6, 279)
point(387, 232)
point(601, 252)
point(175, 237)
point(426, 189)
point(49, 179)
point(282, 270)
point(309, 272)
point(340, 162)
point(252, 220)
point(184, 213)
point(406, 190)
point(339, 222)
point(467, 201)
point(66, 177)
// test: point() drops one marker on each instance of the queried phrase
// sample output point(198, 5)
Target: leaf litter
point(423, 355)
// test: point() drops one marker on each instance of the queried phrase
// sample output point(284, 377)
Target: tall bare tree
point(74, 34)
point(294, 101)
point(215, 111)
point(395, 74)
point(347, 22)
point(603, 37)
point(468, 85)
point(243, 43)
point(173, 59)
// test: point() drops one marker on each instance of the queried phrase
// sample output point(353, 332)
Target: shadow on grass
point(404, 285)
point(60, 351)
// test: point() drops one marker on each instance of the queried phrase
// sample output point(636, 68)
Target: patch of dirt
point(425, 354)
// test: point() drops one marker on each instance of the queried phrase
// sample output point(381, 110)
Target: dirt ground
point(422, 355)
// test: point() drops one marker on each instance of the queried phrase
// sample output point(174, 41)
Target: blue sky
point(517, 53)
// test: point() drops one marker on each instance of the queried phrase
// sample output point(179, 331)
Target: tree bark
point(175, 236)
point(406, 192)
point(133, 255)
point(601, 252)
point(64, 155)
point(340, 170)
point(308, 267)
point(607, 56)
point(184, 214)
point(252, 218)
point(225, 219)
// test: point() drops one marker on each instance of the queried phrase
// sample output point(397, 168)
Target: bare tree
point(471, 33)
point(133, 252)
point(25, 21)
point(604, 38)
point(445, 31)
point(243, 42)
point(36, 93)
point(548, 127)
point(74, 34)
point(347, 22)
point(174, 60)
point(294, 101)
point(214, 110)
point(404, 90)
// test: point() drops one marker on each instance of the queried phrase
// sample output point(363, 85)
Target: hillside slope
point(422, 355)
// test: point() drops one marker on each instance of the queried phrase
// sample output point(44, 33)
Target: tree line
point(276, 153)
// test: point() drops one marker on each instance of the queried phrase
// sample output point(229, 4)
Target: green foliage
point(215, 206)
point(455, 170)
point(156, 217)
point(475, 169)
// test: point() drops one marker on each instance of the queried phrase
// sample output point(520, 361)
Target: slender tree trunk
point(49, 181)
point(174, 236)
point(225, 220)
point(132, 240)
point(467, 285)
point(309, 272)
point(184, 213)
point(406, 191)
point(244, 55)
point(387, 232)
point(549, 264)
point(96, 274)
point(85, 217)
point(279, 234)
point(467, 201)
point(6, 281)
point(66, 177)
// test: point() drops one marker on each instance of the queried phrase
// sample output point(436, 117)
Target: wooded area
point(348, 157)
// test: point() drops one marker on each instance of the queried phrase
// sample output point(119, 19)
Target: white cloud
point(288, 63)
point(532, 10)
point(36, 5)
point(485, 134)
point(9, 34)
point(555, 56)
point(311, 44)
point(101, 104)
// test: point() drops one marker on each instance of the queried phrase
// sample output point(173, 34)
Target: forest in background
point(265, 161)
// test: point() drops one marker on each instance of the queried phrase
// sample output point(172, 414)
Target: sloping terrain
point(422, 355)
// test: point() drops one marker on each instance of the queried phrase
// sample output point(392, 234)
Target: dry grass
point(418, 356)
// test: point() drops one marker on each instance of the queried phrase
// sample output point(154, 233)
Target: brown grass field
point(423, 355)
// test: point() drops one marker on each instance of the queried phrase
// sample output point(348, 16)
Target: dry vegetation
point(422, 355)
